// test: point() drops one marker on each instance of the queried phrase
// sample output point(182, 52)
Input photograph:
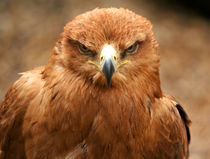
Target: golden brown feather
point(65, 109)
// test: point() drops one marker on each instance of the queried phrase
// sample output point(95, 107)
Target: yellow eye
point(132, 49)
point(83, 49)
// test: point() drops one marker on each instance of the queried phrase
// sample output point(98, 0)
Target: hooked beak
point(108, 62)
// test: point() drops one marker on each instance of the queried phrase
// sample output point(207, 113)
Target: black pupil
point(84, 48)
point(131, 47)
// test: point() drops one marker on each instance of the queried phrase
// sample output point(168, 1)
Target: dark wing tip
point(186, 120)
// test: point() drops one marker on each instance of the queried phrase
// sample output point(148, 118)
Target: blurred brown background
point(29, 30)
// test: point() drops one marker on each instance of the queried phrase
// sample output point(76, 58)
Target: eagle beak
point(108, 62)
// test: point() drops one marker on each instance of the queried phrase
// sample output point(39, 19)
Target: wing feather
point(172, 129)
point(12, 111)
point(185, 119)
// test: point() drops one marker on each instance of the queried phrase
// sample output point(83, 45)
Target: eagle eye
point(83, 49)
point(132, 49)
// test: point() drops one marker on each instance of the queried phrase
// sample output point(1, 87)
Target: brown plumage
point(99, 96)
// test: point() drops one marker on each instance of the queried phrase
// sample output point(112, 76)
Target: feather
point(65, 110)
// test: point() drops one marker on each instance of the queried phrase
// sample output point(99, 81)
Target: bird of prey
point(98, 97)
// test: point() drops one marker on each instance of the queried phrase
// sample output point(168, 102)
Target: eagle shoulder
point(12, 111)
